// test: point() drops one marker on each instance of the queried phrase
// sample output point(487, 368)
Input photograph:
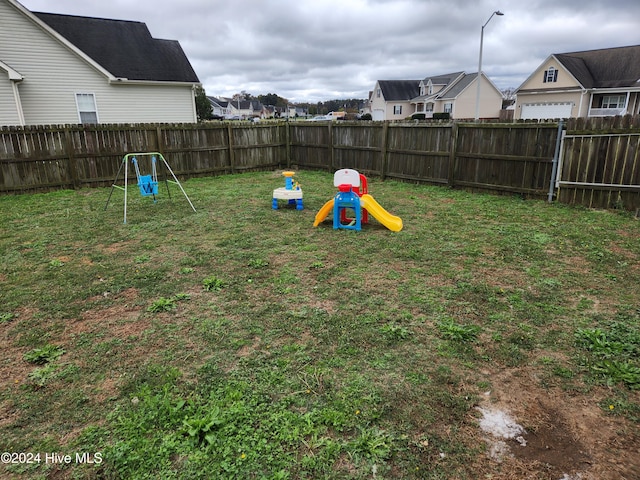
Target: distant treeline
point(319, 108)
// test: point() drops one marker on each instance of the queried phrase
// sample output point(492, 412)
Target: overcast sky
point(315, 50)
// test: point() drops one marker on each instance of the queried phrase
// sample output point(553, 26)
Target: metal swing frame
point(148, 184)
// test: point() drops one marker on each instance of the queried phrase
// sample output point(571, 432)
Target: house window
point(429, 107)
point(397, 109)
point(87, 110)
point(614, 101)
point(448, 107)
point(550, 75)
point(378, 93)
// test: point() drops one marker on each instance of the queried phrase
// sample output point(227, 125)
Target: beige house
point(593, 83)
point(453, 93)
point(456, 94)
point(66, 69)
point(391, 99)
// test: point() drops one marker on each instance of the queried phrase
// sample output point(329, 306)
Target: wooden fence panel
point(601, 170)
point(516, 158)
point(96, 152)
point(33, 158)
point(419, 152)
point(311, 145)
point(358, 146)
point(258, 147)
point(194, 151)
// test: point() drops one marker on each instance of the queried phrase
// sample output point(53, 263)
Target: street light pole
point(478, 79)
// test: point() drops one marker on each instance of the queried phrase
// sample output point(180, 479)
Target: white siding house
point(50, 72)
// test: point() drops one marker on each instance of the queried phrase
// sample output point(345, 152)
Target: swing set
point(147, 184)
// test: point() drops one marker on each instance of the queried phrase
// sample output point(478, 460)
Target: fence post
point(159, 141)
point(556, 157)
point(332, 159)
point(73, 164)
point(452, 155)
point(288, 143)
point(231, 152)
point(384, 151)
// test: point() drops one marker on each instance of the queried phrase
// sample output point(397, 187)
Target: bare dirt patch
point(567, 436)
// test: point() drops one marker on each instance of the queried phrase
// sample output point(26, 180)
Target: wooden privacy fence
point(514, 158)
point(599, 163)
point(53, 157)
point(601, 171)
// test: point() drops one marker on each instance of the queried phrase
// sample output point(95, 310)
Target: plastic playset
point(353, 197)
point(290, 192)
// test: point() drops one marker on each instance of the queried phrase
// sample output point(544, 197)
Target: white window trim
point(607, 101)
point(95, 105)
point(551, 75)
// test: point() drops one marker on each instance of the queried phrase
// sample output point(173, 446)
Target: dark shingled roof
point(605, 68)
point(126, 49)
point(459, 86)
point(399, 89)
point(445, 79)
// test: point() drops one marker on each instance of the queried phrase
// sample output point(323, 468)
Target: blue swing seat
point(147, 186)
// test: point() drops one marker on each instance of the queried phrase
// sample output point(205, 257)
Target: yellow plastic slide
point(392, 222)
point(324, 211)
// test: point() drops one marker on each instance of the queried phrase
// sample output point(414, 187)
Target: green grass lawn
point(242, 342)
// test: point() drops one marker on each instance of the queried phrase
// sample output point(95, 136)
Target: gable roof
point(604, 68)
point(125, 49)
point(452, 91)
point(454, 84)
point(445, 79)
point(394, 90)
point(218, 102)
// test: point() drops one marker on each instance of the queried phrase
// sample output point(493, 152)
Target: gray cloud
point(312, 50)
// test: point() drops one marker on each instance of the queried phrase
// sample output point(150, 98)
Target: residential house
point(244, 109)
point(65, 69)
point(456, 94)
point(293, 111)
point(391, 99)
point(592, 83)
point(220, 108)
point(300, 112)
point(453, 93)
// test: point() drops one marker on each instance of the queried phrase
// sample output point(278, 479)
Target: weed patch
point(614, 350)
point(42, 355)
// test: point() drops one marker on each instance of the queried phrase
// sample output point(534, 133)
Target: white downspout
point(626, 104)
point(16, 97)
point(581, 102)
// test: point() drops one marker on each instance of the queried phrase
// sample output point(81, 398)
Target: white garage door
point(546, 110)
point(378, 115)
